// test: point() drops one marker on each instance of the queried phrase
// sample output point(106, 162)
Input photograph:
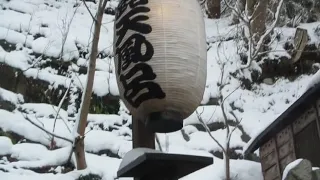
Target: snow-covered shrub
point(317, 31)
point(90, 177)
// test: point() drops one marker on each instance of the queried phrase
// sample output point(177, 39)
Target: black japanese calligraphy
point(134, 24)
point(123, 5)
point(130, 51)
point(140, 75)
point(139, 83)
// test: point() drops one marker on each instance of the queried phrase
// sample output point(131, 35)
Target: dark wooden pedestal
point(162, 166)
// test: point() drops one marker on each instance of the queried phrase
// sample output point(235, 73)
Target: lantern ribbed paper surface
point(160, 60)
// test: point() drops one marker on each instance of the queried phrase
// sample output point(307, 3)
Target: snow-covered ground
point(39, 27)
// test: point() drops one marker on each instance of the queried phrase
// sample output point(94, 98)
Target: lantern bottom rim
point(164, 121)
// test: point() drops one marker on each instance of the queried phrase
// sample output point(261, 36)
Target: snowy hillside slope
point(43, 50)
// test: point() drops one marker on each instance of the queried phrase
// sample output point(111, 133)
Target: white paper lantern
point(160, 60)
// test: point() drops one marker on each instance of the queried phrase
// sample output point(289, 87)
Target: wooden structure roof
point(286, 118)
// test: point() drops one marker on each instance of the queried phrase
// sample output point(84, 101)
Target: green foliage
point(7, 46)
point(104, 105)
point(14, 137)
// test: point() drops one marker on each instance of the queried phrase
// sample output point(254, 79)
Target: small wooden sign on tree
point(300, 42)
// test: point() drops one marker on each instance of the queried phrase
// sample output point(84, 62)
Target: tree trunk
point(250, 6)
point(227, 163)
point(80, 154)
point(257, 9)
point(239, 6)
point(84, 109)
point(213, 9)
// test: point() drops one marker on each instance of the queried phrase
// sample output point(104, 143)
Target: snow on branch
point(261, 40)
point(254, 48)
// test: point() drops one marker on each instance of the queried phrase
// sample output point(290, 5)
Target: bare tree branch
point(254, 48)
point(238, 14)
point(46, 131)
point(158, 142)
point(85, 4)
point(65, 30)
point(253, 54)
point(202, 2)
point(208, 131)
point(93, 17)
point(225, 116)
point(236, 127)
point(59, 108)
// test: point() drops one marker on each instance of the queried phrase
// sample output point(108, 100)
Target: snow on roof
point(284, 119)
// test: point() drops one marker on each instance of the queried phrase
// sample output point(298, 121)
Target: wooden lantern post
point(141, 136)
point(161, 70)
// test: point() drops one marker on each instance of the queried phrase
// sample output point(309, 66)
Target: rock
point(316, 174)
point(8, 78)
point(268, 81)
point(6, 105)
point(300, 169)
point(15, 138)
point(39, 91)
